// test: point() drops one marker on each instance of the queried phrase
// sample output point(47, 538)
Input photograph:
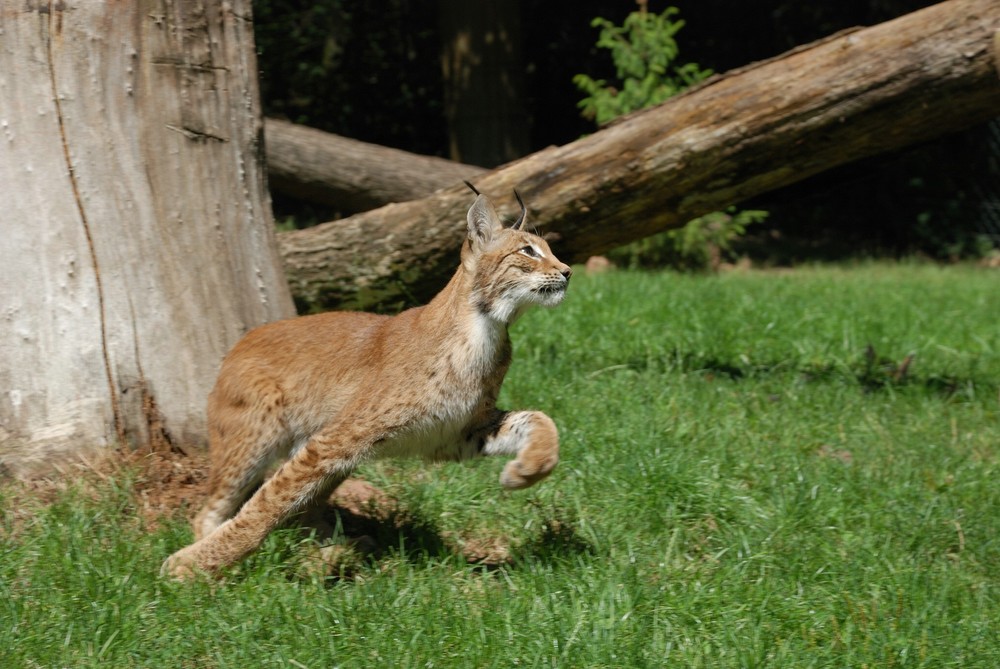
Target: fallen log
point(749, 131)
point(352, 176)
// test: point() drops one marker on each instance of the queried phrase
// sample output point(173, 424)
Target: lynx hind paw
point(518, 474)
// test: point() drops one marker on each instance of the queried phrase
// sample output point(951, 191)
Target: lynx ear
point(483, 221)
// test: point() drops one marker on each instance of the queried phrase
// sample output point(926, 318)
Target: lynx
point(321, 394)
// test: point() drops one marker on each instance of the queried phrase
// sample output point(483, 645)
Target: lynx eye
point(530, 252)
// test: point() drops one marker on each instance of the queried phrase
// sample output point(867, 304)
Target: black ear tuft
point(519, 223)
point(471, 187)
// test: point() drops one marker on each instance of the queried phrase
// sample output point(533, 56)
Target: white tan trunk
point(137, 236)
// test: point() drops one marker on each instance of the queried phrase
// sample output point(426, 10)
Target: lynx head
point(511, 268)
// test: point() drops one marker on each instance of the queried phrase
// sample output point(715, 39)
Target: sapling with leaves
point(644, 51)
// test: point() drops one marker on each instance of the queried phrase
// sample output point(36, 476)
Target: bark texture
point(138, 242)
point(749, 131)
point(352, 176)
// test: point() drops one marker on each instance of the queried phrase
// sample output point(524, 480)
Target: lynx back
point(317, 395)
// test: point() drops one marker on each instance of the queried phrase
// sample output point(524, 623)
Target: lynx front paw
point(522, 473)
point(181, 566)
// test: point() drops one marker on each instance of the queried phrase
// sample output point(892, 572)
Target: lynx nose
point(567, 273)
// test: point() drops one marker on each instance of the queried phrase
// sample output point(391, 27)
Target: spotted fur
point(320, 394)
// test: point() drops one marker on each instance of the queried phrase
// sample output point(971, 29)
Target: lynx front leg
point(532, 437)
point(314, 471)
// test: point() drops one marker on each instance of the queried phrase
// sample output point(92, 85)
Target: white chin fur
point(513, 305)
point(550, 299)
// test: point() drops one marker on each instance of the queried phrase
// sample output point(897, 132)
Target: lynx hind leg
point(533, 438)
point(310, 474)
point(245, 439)
point(229, 487)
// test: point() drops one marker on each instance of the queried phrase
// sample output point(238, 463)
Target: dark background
point(372, 71)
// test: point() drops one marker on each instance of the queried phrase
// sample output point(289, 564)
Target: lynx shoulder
point(320, 394)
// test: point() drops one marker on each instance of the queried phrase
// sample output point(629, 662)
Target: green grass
point(746, 481)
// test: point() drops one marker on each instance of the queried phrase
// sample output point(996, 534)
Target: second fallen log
point(351, 176)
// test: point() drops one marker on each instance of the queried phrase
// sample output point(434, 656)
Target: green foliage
point(644, 51)
point(713, 234)
point(747, 479)
point(701, 244)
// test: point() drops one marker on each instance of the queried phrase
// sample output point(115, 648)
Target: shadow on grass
point(405, 534)
point(409, 535)
point(869, 370)
point(557, 541)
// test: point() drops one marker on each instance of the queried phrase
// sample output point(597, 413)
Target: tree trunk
point(483, 76)
point(352, 176)
point(747, 132)
point(138, 241)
